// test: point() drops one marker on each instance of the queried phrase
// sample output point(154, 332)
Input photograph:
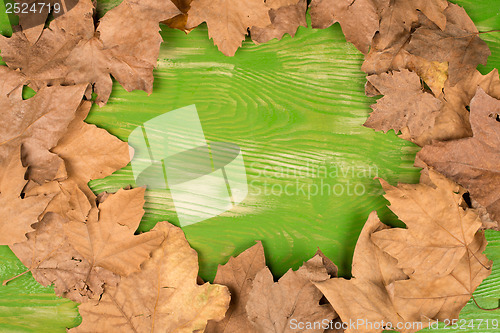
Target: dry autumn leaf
point(275, 306)
point(107, 238)
point(458, 44)
point(33, 15)
point(11, 84)
point(238, 275)
point(286, 17)
point(43, 63)
point(474, 162)
point(125, 45)
point(424, 208)
point(162, 297)
point(179, 21)
point(396, 22)
point(443, 298)
point(17, 214)
point(228, 20)
point(36, 125)
point(433, 73)
point(53, 261)
point(90, 152)
point(365, 296)
point(404, 107)
point(359, 19)
point(453, 123)
point(69, 201)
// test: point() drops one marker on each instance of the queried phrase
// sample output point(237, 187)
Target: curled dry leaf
point(424, 208)
point(68, 201)
point(90, 152)
point(179, 21)
point(433, 73)
point(274, 306)
point(17, 214)
point(359, 19)
point(107, 238)
point(365, 296)
point(238, 275)
point(474, 162)
point(404, 107)
point(162, 297)
point(453, 122)
point(36, 125)
point(458, 44)
point(286, 17)
point(397, 19)
point(32, 15)
point(125, 45)
point(228, 20)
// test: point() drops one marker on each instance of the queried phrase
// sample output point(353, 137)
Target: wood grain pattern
point(292, 107)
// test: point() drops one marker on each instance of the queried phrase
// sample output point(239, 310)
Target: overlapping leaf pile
point(421, 55)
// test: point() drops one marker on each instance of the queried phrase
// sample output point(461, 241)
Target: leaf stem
point(15, 277)
point(488, 31)
point(480, 307)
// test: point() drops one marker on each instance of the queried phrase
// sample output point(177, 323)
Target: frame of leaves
point(421, 55)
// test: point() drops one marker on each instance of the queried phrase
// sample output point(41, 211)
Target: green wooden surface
point(284, 103)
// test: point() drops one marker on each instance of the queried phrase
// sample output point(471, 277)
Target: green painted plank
point(292, 106)
point(26, 306)
point(283, 103)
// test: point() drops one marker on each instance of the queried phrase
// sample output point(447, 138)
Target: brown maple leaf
point(286, 17)
point(238, 275)
point(125, 45)
point(36, 125)
point(404, 107)
point(52, 260)
point(68, 201)
point(453, 120)
point(90, 152)
point(107, 238)
point(365, 297)
point(473, 162)
point(442, 298)
point(458, 44)
point(359, 19)
point(42, 63)
point(396, 22)
point(17, 214)
point(272, 306)
point(228, 20)
point(162, 297)
point(33, 15)
point(424, 208)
